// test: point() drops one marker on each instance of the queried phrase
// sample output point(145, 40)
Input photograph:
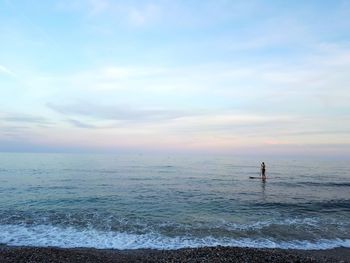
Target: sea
point(111, 201)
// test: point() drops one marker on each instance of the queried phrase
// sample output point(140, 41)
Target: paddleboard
point(256, 177)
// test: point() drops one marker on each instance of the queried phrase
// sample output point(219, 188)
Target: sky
point(207, 76)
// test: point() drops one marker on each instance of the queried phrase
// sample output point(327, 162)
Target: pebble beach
point(205, 254)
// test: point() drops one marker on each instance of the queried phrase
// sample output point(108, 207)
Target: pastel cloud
point(220, 75)
point(118, 113)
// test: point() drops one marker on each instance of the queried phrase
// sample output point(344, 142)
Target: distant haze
point(241, 77)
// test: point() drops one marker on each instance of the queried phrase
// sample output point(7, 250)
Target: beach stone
point(211, 254)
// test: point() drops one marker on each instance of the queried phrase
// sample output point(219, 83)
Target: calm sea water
point(126, 202)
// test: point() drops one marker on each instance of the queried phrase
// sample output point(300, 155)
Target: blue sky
point(269, 77)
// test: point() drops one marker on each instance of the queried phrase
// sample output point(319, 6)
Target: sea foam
point(69, 237)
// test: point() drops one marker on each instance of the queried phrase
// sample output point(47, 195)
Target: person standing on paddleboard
point(263, 168)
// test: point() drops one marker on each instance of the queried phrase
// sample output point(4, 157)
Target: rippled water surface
point(125, 201)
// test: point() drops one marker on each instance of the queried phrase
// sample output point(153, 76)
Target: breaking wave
point(69, 237)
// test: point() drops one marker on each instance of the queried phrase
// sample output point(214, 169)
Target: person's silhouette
point(263, 169)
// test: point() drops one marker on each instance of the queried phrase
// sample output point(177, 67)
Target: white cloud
point(113, 78)
point(4, 70)
point(128, 72)
point(98, 6)
point(121, 12)
point(144, 15)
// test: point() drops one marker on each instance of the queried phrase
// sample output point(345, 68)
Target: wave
point(326, 184)
point(105, 221)
point(267, 225)
point(313, 184)
point(293, 222)
point(329, 205)
point(69, 237)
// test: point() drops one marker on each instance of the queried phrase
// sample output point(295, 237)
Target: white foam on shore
point(46, 235)
point(310, 222)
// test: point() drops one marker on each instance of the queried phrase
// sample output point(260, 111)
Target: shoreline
point(9, 254)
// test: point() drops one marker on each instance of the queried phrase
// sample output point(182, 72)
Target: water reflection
point(263, 188)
